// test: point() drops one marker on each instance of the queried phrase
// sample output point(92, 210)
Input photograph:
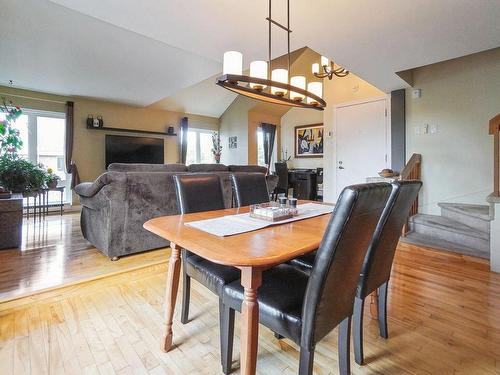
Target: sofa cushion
point(247, 168)
point(207, 168)
point(139, 167)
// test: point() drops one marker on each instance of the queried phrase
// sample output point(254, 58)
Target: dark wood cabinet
point(304, 183)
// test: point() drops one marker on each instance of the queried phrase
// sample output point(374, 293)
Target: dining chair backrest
point(281, 170)
point(250, 188)
point(331, 288)
point(198, 192)
point(377, 265)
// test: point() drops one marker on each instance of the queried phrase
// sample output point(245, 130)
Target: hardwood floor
point(54, 253)
point(444, 318)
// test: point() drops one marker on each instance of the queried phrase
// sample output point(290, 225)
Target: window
point(43, 136)
point(199, 147)
point(260, 150)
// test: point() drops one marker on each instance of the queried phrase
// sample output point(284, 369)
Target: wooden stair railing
point(495, 130)
point(411, 171)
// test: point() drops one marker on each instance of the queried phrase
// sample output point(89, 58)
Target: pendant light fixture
point(328, 69)
point(268, 84)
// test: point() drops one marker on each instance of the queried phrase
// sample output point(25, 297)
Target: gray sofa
point(121, 200)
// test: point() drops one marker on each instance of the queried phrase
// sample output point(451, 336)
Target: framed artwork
point(233, 142)
point(309, 141)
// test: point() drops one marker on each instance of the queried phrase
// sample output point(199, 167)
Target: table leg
point(174, 267)
point(251, 279)
point(374, 304)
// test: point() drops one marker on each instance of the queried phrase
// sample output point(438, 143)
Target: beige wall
point(459, 97)
point(293, 118)
point(88, 149)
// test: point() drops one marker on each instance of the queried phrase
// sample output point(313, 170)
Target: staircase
point(461, 228)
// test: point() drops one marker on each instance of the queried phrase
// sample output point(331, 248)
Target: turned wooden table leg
point(374, 304)
point(174, 267)
point(251, 278)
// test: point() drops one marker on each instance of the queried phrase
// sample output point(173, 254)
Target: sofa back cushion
point(139, 167)
point(248, 168)
point(207, 168)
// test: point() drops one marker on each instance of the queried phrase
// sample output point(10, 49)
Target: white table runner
point(235, 224)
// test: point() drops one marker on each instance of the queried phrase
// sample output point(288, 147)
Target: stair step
point(438, 244)
point(478, 211)
point(449, 230)
point(473, 215)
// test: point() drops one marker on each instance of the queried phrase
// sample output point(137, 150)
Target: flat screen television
point(122, 149)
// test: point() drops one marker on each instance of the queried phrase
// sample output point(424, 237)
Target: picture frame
point(308, 141)
point(233, 142)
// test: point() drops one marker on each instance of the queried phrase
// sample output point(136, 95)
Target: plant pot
point(52, 184)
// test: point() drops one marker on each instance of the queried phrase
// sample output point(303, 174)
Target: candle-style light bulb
point(299, 82)
point(279, 75)
point(258, 69)
point(315, 88)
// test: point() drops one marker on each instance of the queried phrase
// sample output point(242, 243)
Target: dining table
point(252, 252)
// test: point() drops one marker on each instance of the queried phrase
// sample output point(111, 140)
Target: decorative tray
point(271, 212)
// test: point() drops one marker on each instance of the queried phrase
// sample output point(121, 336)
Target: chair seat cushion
point(280, 298)
point(304, 262)
point(212, 275)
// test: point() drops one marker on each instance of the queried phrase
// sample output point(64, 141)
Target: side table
point(45, 197)
point(11, 221)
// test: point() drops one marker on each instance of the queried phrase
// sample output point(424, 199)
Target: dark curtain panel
point(184, 139)
point(70, 164)
point(268, 132)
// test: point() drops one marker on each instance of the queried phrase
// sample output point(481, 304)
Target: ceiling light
point(328, 69)
point(267, 84)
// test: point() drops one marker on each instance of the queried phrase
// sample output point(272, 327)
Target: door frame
point(387, 101)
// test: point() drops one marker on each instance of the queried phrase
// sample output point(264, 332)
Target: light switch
point(434, 129)
point(417, 130)
point(426, 129)
point(416, 94)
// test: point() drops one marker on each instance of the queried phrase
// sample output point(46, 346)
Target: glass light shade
point(279, 75)
point(325, 61)
point(315, 88)
point(315, 68)
point(232, 63)
point(258, 69)
point(300, 82)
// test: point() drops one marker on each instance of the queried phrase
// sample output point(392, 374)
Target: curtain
point(70, 126)
point(269, 133)
point(184, 139)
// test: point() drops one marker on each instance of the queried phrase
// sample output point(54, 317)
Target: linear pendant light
point(267, 84)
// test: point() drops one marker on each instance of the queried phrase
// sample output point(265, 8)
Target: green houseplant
point(52, 179)
point(16, 173)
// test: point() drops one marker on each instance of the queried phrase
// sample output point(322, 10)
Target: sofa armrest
point(90, 189)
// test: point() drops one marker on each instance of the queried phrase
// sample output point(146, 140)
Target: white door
point(362, 142)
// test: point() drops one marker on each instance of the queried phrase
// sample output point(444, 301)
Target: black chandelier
point(268, 85)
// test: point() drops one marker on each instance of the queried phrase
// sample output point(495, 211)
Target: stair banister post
point(494, 129)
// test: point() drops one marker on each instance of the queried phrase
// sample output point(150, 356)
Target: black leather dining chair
point(196, 193)
point(306, 308)
point(283, 183)
point(250, 188)
point(376, 270)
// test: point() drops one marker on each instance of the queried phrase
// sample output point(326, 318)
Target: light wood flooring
point(444, 318)
point(54, 253)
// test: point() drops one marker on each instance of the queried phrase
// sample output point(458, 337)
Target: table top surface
point(264, 247)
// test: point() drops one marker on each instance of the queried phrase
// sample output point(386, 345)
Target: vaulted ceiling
point(144, 52)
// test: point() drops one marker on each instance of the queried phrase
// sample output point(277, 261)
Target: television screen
point(122, 149)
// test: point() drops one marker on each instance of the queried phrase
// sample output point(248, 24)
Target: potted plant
point(52, 179)
point(16, 173)
point(216, 147)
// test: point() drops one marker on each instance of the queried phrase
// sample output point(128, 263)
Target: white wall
point(234, 122)
point(459, 97)
point(293, 118)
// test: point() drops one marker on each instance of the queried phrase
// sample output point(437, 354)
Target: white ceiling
point(142, 52)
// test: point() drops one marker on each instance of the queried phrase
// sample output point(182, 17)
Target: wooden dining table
point(251, 252)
